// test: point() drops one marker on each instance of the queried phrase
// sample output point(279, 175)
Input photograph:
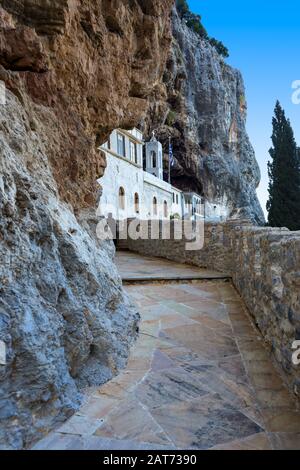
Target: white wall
point(177, 208)
point(216, 212)
point(121, 172)
point(136, 138)
point(161, 195)
point(163, 191)
point(154, 146)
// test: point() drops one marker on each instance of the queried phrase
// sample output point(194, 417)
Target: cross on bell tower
point(154, 157)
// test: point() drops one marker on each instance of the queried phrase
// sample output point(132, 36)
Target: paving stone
point(234, 367)
point(97, 443)
point(281, 420)
point(80, 425)
point(168, 387)
point(265, 381)
point(273, 398)
point(285, 441)
point(135, 267)
point(98, 407)
point(161, 361)
point(132, 421)
point(204, 423)
point(258, 441)
point(57, 441)
point(199, 376)
point(203, 340)
point(212, 379)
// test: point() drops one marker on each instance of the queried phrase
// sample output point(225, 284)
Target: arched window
point(122, 198)
point(136, 203)
point(165, 209)
point(153, 159)
point(154, 206)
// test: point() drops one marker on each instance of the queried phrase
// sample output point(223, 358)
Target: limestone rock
point(203, 107)
point(73, 72)
point(64, 316)
point(20, 49)
point(103, 59)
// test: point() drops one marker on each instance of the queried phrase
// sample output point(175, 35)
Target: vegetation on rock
point(171, 118)
point(219, 46)
point(284, 173)
point(194, 22)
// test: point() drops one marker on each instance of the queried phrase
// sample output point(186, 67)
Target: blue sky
point(263, 38)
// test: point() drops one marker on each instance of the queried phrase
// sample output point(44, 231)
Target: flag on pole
point(171, 155)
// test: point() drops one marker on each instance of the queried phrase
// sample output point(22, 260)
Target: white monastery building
point(131, 192)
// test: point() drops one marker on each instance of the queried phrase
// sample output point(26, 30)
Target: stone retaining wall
point(266, 272)
point(212, 256)
point(265, 267)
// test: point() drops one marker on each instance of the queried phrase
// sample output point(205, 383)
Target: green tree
point(219, 46)
point(182, 7)
point(194, 22)
point(284, 173)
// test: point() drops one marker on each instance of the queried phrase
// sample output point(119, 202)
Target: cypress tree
point(284, 174)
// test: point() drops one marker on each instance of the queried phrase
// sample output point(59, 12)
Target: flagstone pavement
point(137, 268)
point(198, 377)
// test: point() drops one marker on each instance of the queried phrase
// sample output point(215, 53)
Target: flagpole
point(169, 160)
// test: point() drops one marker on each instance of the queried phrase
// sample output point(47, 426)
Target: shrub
point(219, 46)
point(193, 22)
point(171, 118)
point(182, 7)
point(242, 101)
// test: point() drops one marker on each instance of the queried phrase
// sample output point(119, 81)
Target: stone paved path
point(199, 377)
point(134, 267)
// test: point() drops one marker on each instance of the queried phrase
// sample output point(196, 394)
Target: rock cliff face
point(73, 70)
point(203, 107)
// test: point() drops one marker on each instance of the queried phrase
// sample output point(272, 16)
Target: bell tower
point(154, 158)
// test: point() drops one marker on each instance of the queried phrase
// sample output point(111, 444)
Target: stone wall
point(266, 272)
point(265, 267)
point(212, 255)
